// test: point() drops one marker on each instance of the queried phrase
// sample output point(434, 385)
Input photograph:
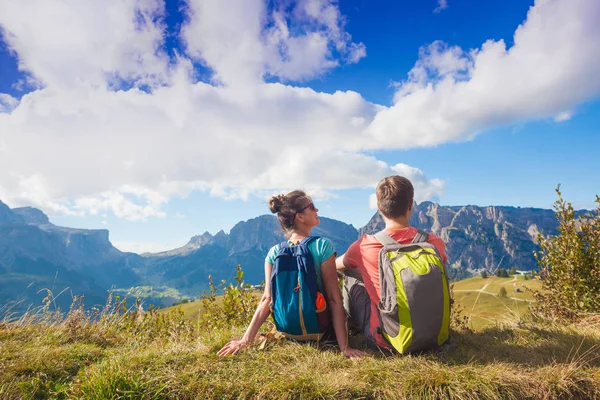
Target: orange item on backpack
point(320, 304)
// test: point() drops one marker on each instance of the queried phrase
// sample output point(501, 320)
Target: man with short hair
point(361, 293)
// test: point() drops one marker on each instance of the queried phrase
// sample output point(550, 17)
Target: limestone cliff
point(481, 237)
point(247, 244)
point(35, 254)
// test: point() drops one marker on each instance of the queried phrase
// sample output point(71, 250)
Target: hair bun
point(275, 203)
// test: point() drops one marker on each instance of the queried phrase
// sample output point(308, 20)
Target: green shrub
point(502, 292)
point(459, 320)
point(501, 273)
point(570, 265)
point(235, 308)
point(484, 274)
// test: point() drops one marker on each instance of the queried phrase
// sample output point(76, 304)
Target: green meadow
point(124, 353)
point(483, 308)
point(483, 305)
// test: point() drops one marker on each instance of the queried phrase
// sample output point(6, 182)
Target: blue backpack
point(294, 292)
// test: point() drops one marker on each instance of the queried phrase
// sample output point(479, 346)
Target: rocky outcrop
point(32, 216)
point(248, 242)
point(32, 249)
point(482, 237)
point(7, 216)
point(35, 254)
point(255, 234)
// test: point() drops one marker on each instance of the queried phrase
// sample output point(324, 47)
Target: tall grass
point(124, 352)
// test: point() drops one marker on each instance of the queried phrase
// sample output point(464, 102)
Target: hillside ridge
point(32, 249)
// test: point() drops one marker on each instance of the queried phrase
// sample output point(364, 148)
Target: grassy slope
point(529, 362)
point(484, 308)
point(193, 309)
point(163, 356)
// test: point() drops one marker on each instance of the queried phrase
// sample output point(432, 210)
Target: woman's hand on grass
point(232, 347)
point(353, 353)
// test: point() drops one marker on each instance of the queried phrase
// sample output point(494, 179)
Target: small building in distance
point(258, 288)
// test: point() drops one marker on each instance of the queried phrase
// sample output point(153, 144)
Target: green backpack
point(415, 297)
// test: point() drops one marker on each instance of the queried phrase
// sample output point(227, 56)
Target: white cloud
point(452, 95)
point(18, 190)
point(442, 5)
point(425, 188)
point(129, 152)
point(373, 201)
point(437, 62)
point(563, 116)
point(7, 103)
point(121, 205)
point(72, 42)
point(145, 247)
point(244, 41)
point(78, 146)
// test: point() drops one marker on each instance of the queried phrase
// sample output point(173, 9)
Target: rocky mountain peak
point(260, 232)
point(425, 205)
point(481, 237)
point(32, 216)
point(7, 215)
point(221, 238)
point(200, 240)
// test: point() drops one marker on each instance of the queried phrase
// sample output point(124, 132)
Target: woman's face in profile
point(309, 213)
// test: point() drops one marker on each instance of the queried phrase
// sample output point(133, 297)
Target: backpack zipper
point(300, 307)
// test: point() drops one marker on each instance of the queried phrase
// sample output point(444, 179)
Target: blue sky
point(161, 120)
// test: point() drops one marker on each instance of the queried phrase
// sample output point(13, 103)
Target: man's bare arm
point(342, 269)
point(339, 263)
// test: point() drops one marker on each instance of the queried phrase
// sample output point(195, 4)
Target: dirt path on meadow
point(482, 290)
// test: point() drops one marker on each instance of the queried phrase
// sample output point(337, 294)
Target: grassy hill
point(477, 296)
point(485, 307)
point(192, 310)
point(125, 354)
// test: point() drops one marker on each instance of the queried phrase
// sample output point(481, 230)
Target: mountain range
point(36, 254)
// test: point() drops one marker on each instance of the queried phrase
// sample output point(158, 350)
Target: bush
point(484, 274)
point(502, 292)
point(235, 308)
point(501, 273)
point(459, 321)
point(570, 265)
point(513, 271)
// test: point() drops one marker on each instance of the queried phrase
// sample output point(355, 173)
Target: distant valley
point(35, 254)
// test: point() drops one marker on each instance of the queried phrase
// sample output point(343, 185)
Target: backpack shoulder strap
point(384, 238)
point(308, 239)
point(420, 237)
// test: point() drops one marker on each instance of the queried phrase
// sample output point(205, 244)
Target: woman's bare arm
point(263, 310)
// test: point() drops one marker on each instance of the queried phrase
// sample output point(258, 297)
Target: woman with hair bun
point(297, 216)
